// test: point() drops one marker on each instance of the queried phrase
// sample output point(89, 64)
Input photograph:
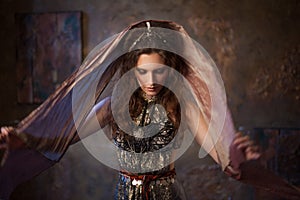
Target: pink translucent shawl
point(50, 129)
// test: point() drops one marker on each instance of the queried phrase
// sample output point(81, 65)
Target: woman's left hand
point(241, 150)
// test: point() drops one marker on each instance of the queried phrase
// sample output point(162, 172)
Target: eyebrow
point(140, 67)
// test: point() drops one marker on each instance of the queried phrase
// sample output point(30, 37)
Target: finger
point(3, 137)
point(245, 144)
point(238, 134)
point(241, 139)
point(6, 129)
point(254, 148)
point(250, 155)
point(252, 151)
point(4, 133)
point(254, 156)
point(4, 157)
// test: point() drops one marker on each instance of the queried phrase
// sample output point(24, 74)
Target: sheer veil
point(52, 128)
point(69, 106)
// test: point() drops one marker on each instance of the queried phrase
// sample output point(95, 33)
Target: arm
point(10, 141)
point(102, 111)
point(197, 125)
point(241, 148)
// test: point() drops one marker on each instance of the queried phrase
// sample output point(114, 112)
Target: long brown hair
point(166, 97)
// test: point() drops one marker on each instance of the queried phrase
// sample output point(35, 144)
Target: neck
point(149, 97)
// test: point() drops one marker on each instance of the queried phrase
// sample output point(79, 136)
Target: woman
point(146, 156)
point(146, 89)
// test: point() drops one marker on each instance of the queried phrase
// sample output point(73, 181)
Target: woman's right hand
point(4, 143)
point(8, 141)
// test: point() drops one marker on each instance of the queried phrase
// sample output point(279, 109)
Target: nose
point(151, 78)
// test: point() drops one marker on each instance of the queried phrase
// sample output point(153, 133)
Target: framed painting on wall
point(48, 50)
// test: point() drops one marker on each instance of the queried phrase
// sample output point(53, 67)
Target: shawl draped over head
point(50, 129)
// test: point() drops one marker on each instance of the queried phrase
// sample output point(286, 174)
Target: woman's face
point(151, 73)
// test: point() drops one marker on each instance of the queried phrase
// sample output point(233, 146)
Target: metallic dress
point(145, 157)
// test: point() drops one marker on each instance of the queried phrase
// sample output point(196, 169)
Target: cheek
point(162, 78)
point(139, 78)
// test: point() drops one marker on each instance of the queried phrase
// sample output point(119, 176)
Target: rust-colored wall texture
point(256, 46)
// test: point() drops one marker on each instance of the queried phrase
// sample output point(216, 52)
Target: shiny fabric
point(139, 142)
point(50, 129)
point(160, 184)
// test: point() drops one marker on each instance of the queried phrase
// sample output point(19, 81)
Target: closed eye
point(141, 71)
point(160, 71)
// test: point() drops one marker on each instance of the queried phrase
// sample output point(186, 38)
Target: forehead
point(146, 59)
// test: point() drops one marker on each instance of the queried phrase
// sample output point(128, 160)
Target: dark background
point(255, 44)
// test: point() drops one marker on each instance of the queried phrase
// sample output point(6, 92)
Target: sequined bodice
point(150, 144)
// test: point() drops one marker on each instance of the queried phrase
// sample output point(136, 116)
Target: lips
point(150, 89)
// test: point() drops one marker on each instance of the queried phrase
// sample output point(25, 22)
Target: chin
point(151, 93)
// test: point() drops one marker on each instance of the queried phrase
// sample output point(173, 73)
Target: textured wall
point(255, 44)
